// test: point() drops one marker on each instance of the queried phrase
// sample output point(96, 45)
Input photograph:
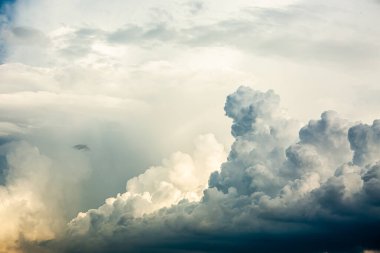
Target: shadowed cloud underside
point(315, 192)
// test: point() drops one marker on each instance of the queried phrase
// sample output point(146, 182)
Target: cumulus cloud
point(34, 192)
point(24, 211)
point(364, 141)
point(137, 80)
point(276, 191)
point(180, 177)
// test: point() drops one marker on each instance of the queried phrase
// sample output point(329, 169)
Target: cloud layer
point(276, 191)
point(131, 82)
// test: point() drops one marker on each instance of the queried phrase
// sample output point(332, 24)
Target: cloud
point(35, 190)
point(195, 7)
point(137, 80)
point(364, 141)
point(269, 32)
point(24, 198)
point(83, 147)
point(275, 192)
point(180, 177)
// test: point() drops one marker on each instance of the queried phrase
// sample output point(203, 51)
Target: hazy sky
point(115, 115)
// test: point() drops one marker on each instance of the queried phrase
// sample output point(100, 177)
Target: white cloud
point(181, 177)
point(137, 80)
point(34, 195)
point(310, 185)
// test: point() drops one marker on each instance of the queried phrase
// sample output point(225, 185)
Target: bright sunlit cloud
point(143, 85)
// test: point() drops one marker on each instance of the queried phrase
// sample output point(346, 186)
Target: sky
point(189, 126)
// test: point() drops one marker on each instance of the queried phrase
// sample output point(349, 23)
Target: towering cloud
point(93, 92)
point(318, 192)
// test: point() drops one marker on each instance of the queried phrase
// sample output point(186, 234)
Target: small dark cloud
point(82, 147)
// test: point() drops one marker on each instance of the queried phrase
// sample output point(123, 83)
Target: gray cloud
point(83, 147)
point(297, 31)
point(136, 34)
point(79, 44)
point(273, 193)
point(74, 75)
point(364, 140)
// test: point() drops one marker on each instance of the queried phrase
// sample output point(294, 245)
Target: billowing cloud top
point(132, 82)
point(276, 192)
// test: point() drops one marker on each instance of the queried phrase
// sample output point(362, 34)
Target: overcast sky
point(221, 124)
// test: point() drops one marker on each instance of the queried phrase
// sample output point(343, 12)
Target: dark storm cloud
point(276, 193)
point(328, 239)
